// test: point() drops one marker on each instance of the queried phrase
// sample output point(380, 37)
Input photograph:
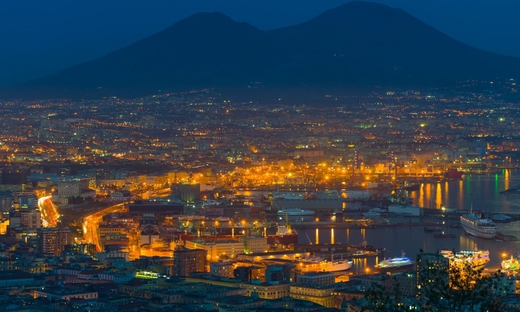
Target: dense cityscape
point(190, 201)
point(319, 156)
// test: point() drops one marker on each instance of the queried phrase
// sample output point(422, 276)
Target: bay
point(480, 191)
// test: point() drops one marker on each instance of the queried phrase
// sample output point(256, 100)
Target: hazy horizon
point(37, 43)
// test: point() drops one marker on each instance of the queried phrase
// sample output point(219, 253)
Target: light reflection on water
point(483, 191)
point(411, 239)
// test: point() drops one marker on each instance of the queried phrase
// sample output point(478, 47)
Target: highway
point(49, 213)
point(91, 224)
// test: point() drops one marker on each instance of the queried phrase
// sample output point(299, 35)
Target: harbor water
point(480, 191)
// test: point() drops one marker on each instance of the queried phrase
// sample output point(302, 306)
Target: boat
point(510, 264)
point(400, 263)
point(319, 264)
point(285, 235)
point(371, 214)
point(295, 212)
point(393, 264)
point(431, 230)
point(453, 174)
point(500, 217)
point(477, 225)
point(477, 258)
point(505, 237)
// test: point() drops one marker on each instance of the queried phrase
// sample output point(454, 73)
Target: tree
point(468, 289)
point(444, 285)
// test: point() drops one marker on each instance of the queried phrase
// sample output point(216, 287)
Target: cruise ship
point(478, 226)
point(477, 258)
point(395, 264)
point(295, 212)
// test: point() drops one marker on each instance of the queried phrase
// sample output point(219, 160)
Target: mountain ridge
point(358, 44)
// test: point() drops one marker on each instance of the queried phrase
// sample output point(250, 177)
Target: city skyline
point(362, 160)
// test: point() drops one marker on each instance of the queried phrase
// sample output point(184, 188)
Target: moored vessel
point(477, 225)
point(318, 264)
point(511, 264)
point(395, 264)
point(295, 212)
point(285, 235)
point(478, 258)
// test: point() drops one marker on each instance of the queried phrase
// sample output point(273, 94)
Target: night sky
point(41, 37)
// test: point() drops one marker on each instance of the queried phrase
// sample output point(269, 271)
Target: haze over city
point(259, 156)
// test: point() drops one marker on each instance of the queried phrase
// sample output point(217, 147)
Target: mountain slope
point(358, 44)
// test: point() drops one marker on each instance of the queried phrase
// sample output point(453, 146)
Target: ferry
point(395, 264)
point(477, 225)
point(477, 258)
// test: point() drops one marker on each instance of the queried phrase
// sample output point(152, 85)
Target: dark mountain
point(359, 44)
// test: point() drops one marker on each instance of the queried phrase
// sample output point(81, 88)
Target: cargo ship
point(285, 235)
point(453, 174)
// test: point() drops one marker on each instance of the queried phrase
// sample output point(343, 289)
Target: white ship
point(289, 196)
point(295, 212)
point(395, 263)
point(477, 258)
point(478, 226)
point(322, 265)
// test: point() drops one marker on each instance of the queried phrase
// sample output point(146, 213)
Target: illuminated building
point(6, 201)
point(4, 225)
point(186, 261)
point(431, 268)
point(254, 244)
point(267, 291)
point(221, 269)
point(53, 240)
point(69, 189)
point(316, 279)
point(217, 249)
point(63, 294)
point(323, 295)
point(31, 219)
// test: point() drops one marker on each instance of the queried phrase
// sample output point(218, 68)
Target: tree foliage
point(459, 286)
point(381, 299)
point(468, 289)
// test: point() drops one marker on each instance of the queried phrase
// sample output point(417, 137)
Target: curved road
point(91, 224)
